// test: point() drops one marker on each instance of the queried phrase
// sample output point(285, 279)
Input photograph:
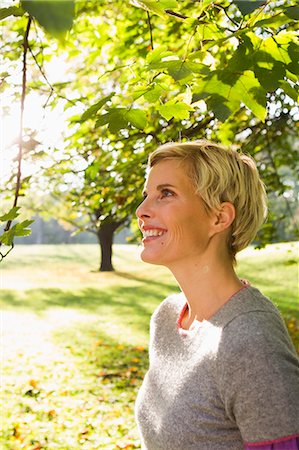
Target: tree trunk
point(105, 238)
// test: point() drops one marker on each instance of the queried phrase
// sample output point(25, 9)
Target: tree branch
point(82, 228)
point(48, 82)
point(43, 74)
point(23, 96)
point(224, 9)
point(189, 132)
point(150, 29)
point(175, 14)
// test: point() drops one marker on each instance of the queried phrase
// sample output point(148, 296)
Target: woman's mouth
point(152, 233)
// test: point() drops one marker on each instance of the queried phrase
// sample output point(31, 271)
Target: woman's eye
point(166, 193)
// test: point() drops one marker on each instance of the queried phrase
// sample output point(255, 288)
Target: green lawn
point(75, 340)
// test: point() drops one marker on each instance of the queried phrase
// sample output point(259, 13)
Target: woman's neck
point(207, 285)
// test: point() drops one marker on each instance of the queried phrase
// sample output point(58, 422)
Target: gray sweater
point(231, 379)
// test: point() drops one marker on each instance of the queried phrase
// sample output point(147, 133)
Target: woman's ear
point(223, 217)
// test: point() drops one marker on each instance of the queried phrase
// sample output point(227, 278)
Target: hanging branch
point(150, 29)
point(52, 89)
point(23, 95)
point(175, 14)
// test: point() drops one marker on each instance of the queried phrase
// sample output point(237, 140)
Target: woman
point(223, 372)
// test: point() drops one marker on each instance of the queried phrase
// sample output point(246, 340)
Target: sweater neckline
point(196, 323)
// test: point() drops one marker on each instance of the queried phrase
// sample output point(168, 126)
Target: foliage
point(56, 17)
point(147, 72)
point(198, 51)
point(76, 340)
point(17, 230)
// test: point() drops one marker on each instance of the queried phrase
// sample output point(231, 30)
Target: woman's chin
point(150, 257)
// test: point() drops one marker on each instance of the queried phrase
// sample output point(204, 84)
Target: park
point(75, 339)
point(90, 89)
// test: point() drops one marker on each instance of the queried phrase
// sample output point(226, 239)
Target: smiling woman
point(202, 205)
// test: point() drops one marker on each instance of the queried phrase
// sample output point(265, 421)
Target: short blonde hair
point(220, 175)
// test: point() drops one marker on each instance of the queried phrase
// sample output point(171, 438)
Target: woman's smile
point(152, 234)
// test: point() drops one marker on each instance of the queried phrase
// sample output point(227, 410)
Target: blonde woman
point(223, 372)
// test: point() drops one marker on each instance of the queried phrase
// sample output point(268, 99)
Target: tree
point(167, 70)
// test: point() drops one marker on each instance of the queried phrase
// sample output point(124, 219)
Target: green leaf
point(92, 171)
point(137, 118)
point(209, 31)
point(150, 6)
point(211, 85)
point(217, 104)
point(55, 16)
point(263, 59)
point(243, 88)
point(153, 94)
point(92, 110)
point(103, 119)
point(21, 228)
point(11, 215)
point(168, 4)
point(270, 79)
point(115, 118)
point(195, 67)
point(11, 11)
point(293, 50)
point(293, 67)
point(277, 47)
point(139, 92)
point(292, 12)
point(157, 54)
point(177, 110)
point(177, 68)
point(249, 91)
point(7, 237)
point(18, 230)
point(241, 59)
point(247, 7)
point(273, 22)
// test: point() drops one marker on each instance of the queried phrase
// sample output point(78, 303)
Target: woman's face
point(172, 217)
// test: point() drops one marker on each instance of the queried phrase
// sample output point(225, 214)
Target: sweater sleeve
point(285, 444)
point(258, 376)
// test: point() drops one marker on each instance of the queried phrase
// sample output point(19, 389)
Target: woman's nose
point(143, 209)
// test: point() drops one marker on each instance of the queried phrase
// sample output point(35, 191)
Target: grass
point(75, 340)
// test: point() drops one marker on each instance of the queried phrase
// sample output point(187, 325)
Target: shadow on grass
point(132, 305)
point(149, 282)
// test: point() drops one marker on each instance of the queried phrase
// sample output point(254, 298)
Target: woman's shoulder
point(251, 322)
point(248, 302)
point(170, 306)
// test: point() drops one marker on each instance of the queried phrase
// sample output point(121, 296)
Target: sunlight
point(48, 127)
